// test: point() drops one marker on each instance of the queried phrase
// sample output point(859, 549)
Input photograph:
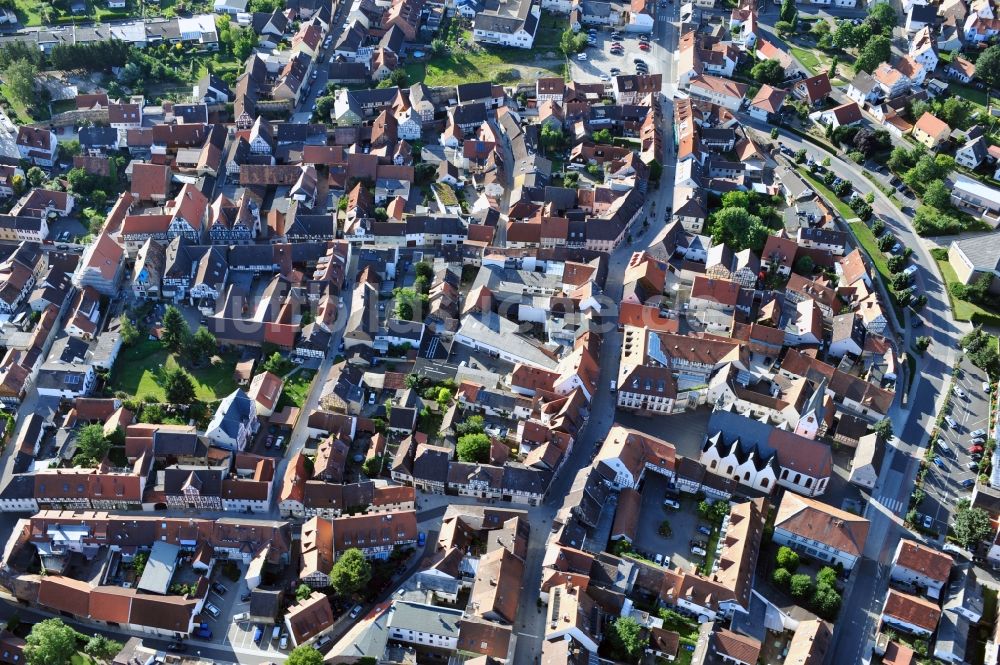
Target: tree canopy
point(51, 642)
point(738, 229)
point(91, 445)
point(175, 330)
point(304, 655)
point(179, 386)
point(971, 525)
point(875, 51)
point(473, 447)
point(988, 65)
point(626, 637)
point(351, 572)
point(768, 71)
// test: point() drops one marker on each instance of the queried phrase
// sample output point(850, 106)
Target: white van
point(951, 422)
point(909, 270)
point(276, 632)
point(614, 386)
point(942, 445)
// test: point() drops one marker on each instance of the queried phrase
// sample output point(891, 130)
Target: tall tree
point(877, 50)
point(626, 637)
point(351, 572)
point(91, 445)
point(179, 386)
point(988, 65)
point(305, 655)
point(20, 77)
point(971, 525)
point(202, 345)
point(175, 330)
point(51, 642)
point(473, 448)
point(788, 11)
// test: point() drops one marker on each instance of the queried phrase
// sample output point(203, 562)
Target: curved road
point(912, 421)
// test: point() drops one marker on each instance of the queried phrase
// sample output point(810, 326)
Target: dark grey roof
point(517, 478)
point(97, 137)
point(208, 481)
point(430, 464)
point(474, 92)
point(21, 486)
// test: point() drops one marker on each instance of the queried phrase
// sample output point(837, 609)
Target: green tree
point(896, 263)
point(805, 265)
point(971, 525)
point(571, 42)
point(129, 333)
point(244, 41)
point(351, 572)
point(845, 34)
point(800, 156)
point(981, 348)
point(102, 648)
point(475, 424)
point(424, 269)
point(372, 466)
point(826, 600)
point(801, 586)
point(91, 446)
point(882, 17)
point(788, 11)
point(781, 577)
point(921, 344)
point(937, 195)
point(302, 592)
point(626, 638)
point(552, 137)
point(409, 304)
point(174, 331)
point(988, 66)
point(178, 386)
point(202, 345)
point(602, 136)
point(305, 654)
point(20, 77)
point(787, 558)
point(51, 642)
point(36, 176)
point(882, 428)
point(827, 576)
point(473, 448)
point(275, 364)
point(875, 51)
point(738, 228)
point(438, 46)
point(768, 71)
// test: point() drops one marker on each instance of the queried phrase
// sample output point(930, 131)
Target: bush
point(781, 577)
point(801, 586)
point(787, 558)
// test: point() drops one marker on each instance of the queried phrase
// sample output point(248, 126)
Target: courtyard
point(141, 369)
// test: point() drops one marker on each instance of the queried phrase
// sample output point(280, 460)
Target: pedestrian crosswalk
point(892, 504)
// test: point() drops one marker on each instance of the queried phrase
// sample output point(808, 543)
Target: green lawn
point(81, 659)
point(969, 93)
point(824, 191)
point(963, 310)
point(816, 61)
point(462, 66)
point(296, 389)
point(139, 372)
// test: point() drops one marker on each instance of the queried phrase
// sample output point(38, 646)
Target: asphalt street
point(855, 629)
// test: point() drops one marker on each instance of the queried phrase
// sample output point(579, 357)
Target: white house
point(234, 422)
point(820, 531)
point(920, 565)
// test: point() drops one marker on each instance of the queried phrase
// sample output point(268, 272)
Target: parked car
point(421, 538)
point(975, 450)
point(986, 386)
point(672, 503)
point(960, 393)
point(219, 589)
point(615, 71)
point(968, 482)
point(951, 422)
point(698, 551)
point(972, 466)
point(356, 611)
point(978, 432)
point(978, 441)
point(176, 646)
point(658, 559)
point(245, 598)
point(581, 56)
point(928, 521)
point(279, 441)
point(939, 463)
point(283, 644)
point(204, 632)
point(704, 530)
point(213, 610)
point(258, 633)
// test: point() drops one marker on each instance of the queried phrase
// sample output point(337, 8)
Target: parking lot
point(944, 483)
point(684, 524)
point(600, 61)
